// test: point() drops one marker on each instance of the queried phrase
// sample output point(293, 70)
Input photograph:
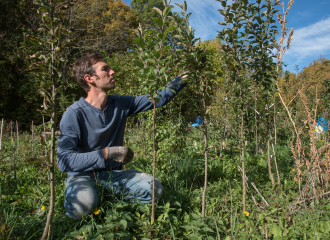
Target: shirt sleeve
point(69, 157)
point(142, 103)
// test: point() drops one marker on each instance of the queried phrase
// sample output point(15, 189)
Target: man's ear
point(88, 78)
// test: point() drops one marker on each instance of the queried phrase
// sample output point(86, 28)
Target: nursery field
point(256, 166)
point(281, 215)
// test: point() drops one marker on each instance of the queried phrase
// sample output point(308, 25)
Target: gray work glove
point(120, 154)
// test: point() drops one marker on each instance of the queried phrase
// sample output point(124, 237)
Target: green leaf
point(158, 22)
point(138, 63)
point(58, 71)
point(159, 11)
point(169, 29)
point(47, 5)
point(156, 54)
point(165, 49)
point(179, 5)
point(224, 3)
point(162, 36)
point(184, 6)
point(124, 223)
point(167, 11)
point(34, 41)
point(139, 42)
point(276, 231)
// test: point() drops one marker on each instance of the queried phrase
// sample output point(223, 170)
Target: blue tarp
point(198, 122)
point(323, 122)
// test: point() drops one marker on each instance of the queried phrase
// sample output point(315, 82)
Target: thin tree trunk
point(1, 133)
point(17, 148)
point(154, 162)
point(14, 167)
point(205, 178)
point(45, 136)
point(242, 149)
point(268, 146)
point(256, 122)
point(215, 143)
point(275, 129)
point(225, 130)
point(205, 146)
point(32, 139)
point(48, 227)
point(278, 175)
point(11, 133)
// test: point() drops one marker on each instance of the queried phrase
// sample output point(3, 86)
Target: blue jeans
point(82, 192)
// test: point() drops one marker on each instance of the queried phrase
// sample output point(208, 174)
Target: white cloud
point(309, 43)
point(204, 18)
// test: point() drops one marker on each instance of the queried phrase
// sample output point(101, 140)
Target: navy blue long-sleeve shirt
point(86, 130)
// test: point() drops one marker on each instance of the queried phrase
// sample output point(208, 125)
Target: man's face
point(104, 78)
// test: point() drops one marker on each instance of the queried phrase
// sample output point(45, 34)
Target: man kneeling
point(90, 147)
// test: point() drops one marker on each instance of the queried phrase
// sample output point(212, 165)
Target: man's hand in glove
point(119, 154)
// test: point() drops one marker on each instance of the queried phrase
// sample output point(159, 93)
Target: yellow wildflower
point(216, 156)
point(247, 214)
point(314, 137)
point(42, 208)
point(234, 167)
point(292, 170)
point(97, 211)
point(306, 126)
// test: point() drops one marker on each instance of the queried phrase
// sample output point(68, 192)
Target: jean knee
point(80, 200)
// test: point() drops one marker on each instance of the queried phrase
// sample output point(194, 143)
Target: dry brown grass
point(312, 163)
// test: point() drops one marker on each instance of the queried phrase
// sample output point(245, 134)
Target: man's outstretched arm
point(142, 103)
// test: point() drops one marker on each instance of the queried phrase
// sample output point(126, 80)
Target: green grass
point(178, 213)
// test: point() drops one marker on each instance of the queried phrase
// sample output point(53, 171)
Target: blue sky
point(309, 19)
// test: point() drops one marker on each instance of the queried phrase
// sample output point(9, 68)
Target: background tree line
point(107, 26)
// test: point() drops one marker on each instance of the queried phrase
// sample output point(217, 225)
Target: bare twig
point(321, 195)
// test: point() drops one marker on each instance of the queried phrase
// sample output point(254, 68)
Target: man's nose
point(112, 72)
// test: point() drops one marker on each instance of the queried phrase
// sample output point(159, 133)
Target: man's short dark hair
point(84, 66)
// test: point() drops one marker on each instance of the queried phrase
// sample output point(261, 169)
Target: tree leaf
point(158, 22)
point(167, 11)
point(179, 5)
point(184, 6)
point(138, 63)
point(159, 11)
point(139, 42)
point(156, 54)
